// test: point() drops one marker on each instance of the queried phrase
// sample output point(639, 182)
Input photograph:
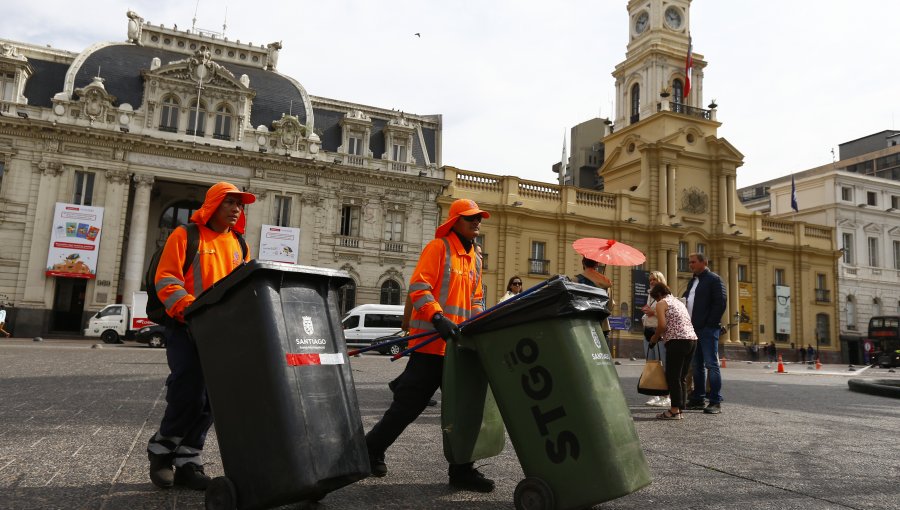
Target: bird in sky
point(418, 34)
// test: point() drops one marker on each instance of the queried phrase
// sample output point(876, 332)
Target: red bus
point(884, 332)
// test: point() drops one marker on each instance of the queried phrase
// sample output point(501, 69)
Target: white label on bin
point(335, 358)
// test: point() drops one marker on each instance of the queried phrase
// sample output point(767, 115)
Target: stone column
point(662, 196)
point(672, 275)
point(723, 204)
point(137, 237)
point(48, 191)
point(670, 190)
point(110, 254)
point(730, 197)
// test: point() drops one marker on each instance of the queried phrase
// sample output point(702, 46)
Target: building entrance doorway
point(68, 305)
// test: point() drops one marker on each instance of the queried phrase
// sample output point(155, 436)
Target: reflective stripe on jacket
point(446, 280)
point(217, 256)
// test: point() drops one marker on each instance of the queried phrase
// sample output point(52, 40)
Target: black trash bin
point(280, 385)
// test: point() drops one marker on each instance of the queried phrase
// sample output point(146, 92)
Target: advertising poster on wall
point(640, 288)
point(745, 301)
point(74, 241)
point(279, 244)
point(783, 309)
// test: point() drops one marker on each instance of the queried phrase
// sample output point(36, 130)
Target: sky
point(792, 78)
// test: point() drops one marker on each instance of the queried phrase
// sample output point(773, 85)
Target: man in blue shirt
point(706, 300)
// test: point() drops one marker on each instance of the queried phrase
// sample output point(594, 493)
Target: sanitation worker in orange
point(174, 451)
point(445, 289)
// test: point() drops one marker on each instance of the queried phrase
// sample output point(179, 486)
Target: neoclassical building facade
point(141, 129)
point(669, 190)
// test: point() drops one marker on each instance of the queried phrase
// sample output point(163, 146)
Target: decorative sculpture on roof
point(94, 99)
point(272, 60)
point(135, 25)
point(288, 131)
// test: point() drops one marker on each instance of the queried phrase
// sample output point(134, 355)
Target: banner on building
point(74, 241)
point(745, 302)
point(279, 244)
point(640, 287)
point(782, 309)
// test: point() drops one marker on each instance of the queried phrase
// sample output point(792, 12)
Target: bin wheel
point(534, 494)
point(220, 494)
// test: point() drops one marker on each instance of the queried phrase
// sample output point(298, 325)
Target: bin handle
point(470, 320)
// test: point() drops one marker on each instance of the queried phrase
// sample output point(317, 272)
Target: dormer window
point(356, 129)
point(354, 145)
point(7, 86)
point(198, 113)
point(399, 153)
point(168, 116)
point(222, 128)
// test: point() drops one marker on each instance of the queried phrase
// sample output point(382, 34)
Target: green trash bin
point(471, 424)
point(556, 385)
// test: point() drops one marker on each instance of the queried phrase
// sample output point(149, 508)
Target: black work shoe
point(469, 479)
point(432, 403)
point(191, 476)
point(161, 472)
point(695, 405)
point(392, 385)
point(713, 408)
point(377, 465)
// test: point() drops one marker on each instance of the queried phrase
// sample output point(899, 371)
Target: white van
point(369, 322)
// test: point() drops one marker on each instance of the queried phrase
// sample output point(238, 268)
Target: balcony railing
point(218, 136)
point(684, 109)
point(348, 242)
point(168, 129)
point(198, 133)
point(539, 266)
point(355, 160)
point(393, 246)
point(399, 167)
point(823, 296)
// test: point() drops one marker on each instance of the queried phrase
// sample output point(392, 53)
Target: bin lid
point(213, 294)
point(559, 298)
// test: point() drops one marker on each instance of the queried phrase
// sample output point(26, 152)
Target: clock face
point(673, 18)
point(641, 22)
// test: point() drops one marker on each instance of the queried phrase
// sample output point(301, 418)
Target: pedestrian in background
point(187, 418)
point(445, 289)
point(674, 329)
point(592, 274)
point(772, 352)
point(650, 323)
point(801, 354)
point(512, 288)
point(3, 322)
point(810, 354)
point(706, 301)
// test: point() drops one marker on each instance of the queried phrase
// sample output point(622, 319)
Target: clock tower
point(658, 42)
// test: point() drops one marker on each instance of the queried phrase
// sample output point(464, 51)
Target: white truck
point(118, 321)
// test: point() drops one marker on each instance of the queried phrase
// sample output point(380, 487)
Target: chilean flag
point(688, 67)
point(794, 204)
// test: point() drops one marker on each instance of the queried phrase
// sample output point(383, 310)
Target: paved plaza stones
point(74, 422)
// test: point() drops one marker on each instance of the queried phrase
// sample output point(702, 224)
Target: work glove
point(444, 326)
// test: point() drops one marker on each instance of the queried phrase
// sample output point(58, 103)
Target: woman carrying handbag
point(675, 330)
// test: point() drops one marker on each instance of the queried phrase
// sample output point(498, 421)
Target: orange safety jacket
point(446, 280)
point(217, 256)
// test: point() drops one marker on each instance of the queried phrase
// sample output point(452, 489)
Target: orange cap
point(461, 207)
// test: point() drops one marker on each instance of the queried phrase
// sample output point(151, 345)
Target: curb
point(879, 387)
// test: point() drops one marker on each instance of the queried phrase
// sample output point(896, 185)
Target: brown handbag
point(653, 378)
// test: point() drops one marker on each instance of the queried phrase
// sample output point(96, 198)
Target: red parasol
point(609, 252)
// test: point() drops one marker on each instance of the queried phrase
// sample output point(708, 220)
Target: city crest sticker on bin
point(312, 345)
point(602, 357)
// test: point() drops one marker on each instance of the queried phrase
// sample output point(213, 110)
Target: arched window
point(851, 313)
point(876, 306)
point(222, 128)
point(168, 114)
point(677, 96)
point(390, 293)
point(197, 118)
point(347, 297)
point(635, 103)
point(178, 214)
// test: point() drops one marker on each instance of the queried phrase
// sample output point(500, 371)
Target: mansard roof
point(120, 66)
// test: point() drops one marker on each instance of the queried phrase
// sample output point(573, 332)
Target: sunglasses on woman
point(517, 283)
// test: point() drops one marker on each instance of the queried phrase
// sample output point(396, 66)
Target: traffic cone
point(722, 362)
point(780, 365)
point(818, 364)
